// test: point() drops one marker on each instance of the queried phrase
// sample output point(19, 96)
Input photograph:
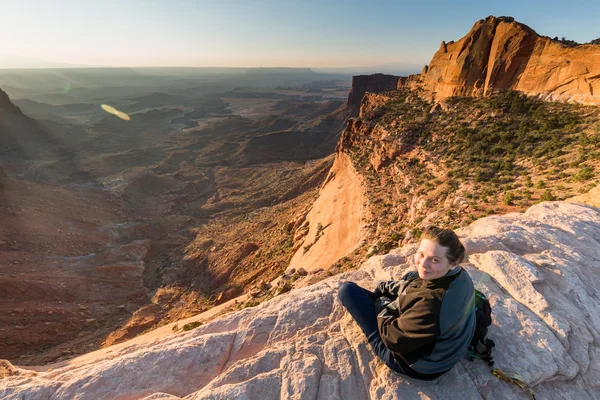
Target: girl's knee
point(345, 290)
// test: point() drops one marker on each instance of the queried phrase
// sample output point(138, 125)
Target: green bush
point(509, 198)
point(191, 325)
point(251, 303)
point(394, 236)
point(585, 173)
point(547, 196)
point(416, 232)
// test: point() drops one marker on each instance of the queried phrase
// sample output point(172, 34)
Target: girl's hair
point(446, 238)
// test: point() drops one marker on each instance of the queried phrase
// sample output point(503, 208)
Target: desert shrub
point(251, 303)
point(416, 232)
point(547, 196)
point(484, 175)
point(565, 41)
point(191, 325)
point(509, 198)
point(585, 173)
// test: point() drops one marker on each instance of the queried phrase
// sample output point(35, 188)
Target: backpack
point(481, 346)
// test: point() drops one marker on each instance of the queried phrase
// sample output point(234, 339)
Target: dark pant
point(360, 304)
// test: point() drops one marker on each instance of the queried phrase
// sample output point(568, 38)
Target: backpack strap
point(481, 346)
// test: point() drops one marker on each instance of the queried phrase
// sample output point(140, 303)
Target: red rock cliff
point(500, 53)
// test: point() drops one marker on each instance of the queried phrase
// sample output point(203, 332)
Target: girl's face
point(431, 260)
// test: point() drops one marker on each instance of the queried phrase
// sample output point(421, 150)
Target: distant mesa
point(500, 53)
point(376, 83)
point(282, 70)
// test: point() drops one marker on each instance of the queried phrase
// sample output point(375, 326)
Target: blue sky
point(251, 33)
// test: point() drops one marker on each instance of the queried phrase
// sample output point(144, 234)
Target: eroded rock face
point(376, 83)
point(540, 269)
point(500, 53)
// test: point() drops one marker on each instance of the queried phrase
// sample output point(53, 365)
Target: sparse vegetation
point(251, 303)
point(191, 325)
point(585, 173)
point(506, 150)
point(509, 198)
point(318, 234)
point(548, 196)
point(566, 42)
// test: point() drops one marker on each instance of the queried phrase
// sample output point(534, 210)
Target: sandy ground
point(339, 210)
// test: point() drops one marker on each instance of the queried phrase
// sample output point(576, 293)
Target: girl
point(422, 325)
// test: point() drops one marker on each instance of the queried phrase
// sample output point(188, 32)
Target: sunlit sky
point(253, 33)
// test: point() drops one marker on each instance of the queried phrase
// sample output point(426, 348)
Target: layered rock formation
point(376, 83)
point(540, 270)
point(500, 53)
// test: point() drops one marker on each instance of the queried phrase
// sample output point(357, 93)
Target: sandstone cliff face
point(331, 231)
point(539, 269)
point(500, 53)
point(375, 83)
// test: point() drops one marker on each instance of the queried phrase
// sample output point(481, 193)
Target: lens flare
point(114, 111)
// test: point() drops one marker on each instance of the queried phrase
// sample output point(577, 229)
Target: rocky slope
point(539, 269)
point(500, 53)
point(423, 163)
